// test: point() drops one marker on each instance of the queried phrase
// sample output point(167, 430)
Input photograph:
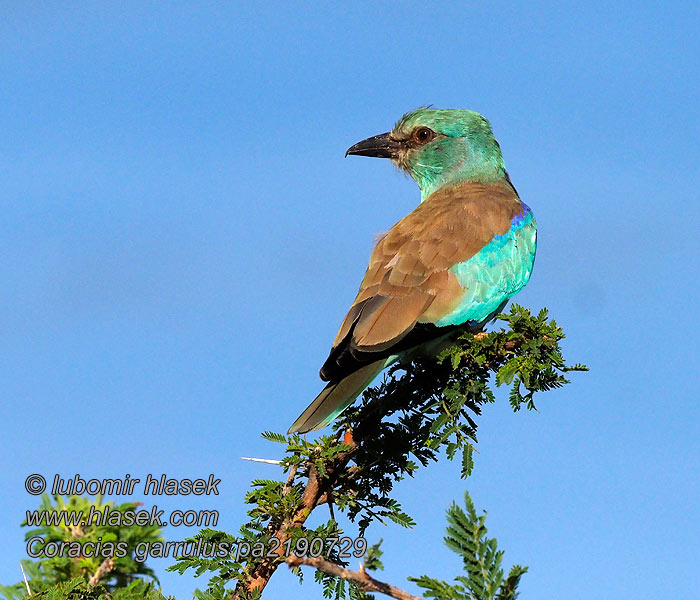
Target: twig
point(106, 566)
point(371, 512)
point(26, 583)
point(290, 480)
point(361, 578)
point(330, 506)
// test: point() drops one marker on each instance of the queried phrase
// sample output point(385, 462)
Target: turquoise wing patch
point(496, 273)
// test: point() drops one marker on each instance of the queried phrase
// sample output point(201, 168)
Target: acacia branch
point(405, 417)
point(360, 578)
point(318, 491)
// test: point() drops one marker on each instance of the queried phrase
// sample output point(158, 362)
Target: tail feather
point(335, 398)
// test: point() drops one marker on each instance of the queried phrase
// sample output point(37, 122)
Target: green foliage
point(79, 589)
point(484, 578)
point(271, 508)
point(80, 539)
point(373, 559)
point(429, 402)
point(527, 356)
point(422, 406)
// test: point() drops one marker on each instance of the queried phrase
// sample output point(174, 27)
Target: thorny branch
point(317, 492)
point(361, 578)
point(421, 407)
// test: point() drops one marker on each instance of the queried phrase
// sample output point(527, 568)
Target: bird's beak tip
point(379, 146)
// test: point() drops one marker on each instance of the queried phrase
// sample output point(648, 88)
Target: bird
point(449, 266)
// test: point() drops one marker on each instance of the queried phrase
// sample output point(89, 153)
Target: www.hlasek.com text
point(110, 517)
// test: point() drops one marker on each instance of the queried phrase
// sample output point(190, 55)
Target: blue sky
point(181, 237)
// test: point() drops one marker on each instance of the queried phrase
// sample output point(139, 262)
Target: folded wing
point(409, 285)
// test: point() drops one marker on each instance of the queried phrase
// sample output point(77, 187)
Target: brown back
point(408, 279)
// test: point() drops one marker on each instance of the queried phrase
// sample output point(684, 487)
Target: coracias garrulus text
point(450, 265)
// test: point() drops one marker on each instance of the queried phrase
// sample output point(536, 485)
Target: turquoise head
point(439, 148)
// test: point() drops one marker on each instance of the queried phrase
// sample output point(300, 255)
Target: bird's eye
point(423, 134)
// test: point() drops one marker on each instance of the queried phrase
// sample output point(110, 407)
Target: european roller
point(450, 265)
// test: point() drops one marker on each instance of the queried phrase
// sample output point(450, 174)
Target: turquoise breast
point(496, 273)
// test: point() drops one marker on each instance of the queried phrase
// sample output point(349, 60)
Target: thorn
point(268, 461)
point(25, 578)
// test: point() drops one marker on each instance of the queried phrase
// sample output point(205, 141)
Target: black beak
point(381, 146)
